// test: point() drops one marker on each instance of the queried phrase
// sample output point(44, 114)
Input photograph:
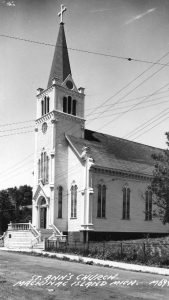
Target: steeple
point(60, 66)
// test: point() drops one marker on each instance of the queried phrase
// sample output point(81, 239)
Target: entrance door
point(43, 217)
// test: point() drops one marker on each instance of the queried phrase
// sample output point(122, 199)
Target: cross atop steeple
point(60, 14)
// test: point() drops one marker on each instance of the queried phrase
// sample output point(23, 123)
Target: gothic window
point(126, 203)
point(43, 168)
point(60, 189)
point(64, 104)
point(148, 205)
point(48, 105)
point(73, 201)
point(39, 169)
point(69, 106)
point(42, 108)
point(45, 105)
point(101, 205)
point(74, 108)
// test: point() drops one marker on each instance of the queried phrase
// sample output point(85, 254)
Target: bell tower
point(60, 112)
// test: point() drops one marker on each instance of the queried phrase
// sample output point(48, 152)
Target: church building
point(87, 185)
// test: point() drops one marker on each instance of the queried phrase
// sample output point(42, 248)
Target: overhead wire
point(143, 125)
point(132, 99)
point(122, 109)
point(111, 121)
point(86, 51)
point(152, 127)
point(111, 97)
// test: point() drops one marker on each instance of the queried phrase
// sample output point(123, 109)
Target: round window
point(44, 127)
point(69, 84)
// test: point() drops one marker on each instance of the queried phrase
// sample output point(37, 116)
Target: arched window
point(60, 189)
point(64, 104)
point(43, 168)
point(126, 203)
point(148, 205)
point(69, 105)
point(45, 105)
point(48, 105)
point(74, 108)
point(74, 201)
point(39, 169)
point(43, 201)
point(101, 205)
point(42, 110)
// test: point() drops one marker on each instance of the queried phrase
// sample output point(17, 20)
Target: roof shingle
point(116, 153)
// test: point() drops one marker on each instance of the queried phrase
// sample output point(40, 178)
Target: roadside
point(92, 261)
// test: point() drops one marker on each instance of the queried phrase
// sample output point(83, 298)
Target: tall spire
point(60, 66)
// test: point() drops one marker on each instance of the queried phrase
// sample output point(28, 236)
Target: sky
point(127, 87)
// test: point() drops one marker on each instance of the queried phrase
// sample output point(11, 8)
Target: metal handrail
point(33, 230)
point(36, 233)
point(55, 234)
point(2, 236)
point(55, 229)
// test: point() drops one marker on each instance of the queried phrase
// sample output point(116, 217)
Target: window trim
point(101, 201)
point(73, 212)
point(69, 105)
point(43, 168)
point(148, 205)
point(126, 203)
point(60, 201)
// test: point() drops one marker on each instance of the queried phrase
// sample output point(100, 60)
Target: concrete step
point(39, 245)
point(45, 233)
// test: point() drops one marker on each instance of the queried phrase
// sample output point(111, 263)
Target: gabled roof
point(60, 66)
point(116, 153)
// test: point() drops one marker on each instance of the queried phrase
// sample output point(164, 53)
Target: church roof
point(116, 153)
point(60, 65)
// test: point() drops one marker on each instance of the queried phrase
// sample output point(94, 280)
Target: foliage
point(160, 184)
point(12, 202)
point(144, 251)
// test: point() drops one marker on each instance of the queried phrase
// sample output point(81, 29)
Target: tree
point(13, 205)
point(160, 184)
point(6, 210)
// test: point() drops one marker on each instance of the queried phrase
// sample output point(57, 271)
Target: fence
point(140, 251)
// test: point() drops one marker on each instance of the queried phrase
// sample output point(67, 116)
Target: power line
point(117, 108)
point(111, 121)
point(17, 133)
point(128, 84)
point(133, 99)
point(18, 163)
point(12, 129)
point(86, 51)
point(142, 126)
point(122, 108)
point(163, 113)
point(151, 128)
point(9, 124)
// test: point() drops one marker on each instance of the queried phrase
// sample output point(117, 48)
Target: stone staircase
point(18, 239)
point(24, 235)
point(45, 233)
point(40, 245)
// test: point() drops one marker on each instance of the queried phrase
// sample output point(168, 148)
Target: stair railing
point(2, 238)
point(55, 229)
point(36, 233)
point(57, 234)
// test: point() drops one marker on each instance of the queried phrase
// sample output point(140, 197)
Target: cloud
point(8, 3)
point(140, 16)
point(99, 10)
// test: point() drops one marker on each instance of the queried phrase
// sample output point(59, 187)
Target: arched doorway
point(43, 213)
